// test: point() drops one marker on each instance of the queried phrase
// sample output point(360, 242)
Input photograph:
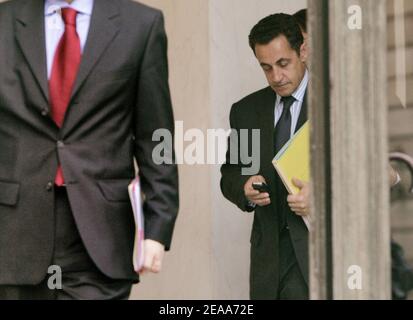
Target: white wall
point(187, 268)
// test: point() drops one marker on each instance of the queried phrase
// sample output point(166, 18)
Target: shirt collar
point(81, 6)
point(299, 93)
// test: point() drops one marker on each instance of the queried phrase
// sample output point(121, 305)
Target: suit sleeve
point(232, 181)
point(154, 111)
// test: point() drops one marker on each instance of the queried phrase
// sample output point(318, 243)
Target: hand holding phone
point(261, 187)
point(260, 198)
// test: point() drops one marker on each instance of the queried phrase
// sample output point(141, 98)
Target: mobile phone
point(261, 187)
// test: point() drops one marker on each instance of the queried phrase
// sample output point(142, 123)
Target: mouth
point(280, 86)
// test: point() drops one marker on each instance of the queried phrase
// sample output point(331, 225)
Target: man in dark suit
point(83, 87)
point(279, 239)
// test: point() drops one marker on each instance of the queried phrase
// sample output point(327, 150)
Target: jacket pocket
point(9, 193)
point(115, 190)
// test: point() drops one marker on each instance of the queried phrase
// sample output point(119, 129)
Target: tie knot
point(69, 16)
point(288, 101)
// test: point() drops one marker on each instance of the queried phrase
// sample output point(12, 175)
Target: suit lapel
point(30, 35)
point(104, 26)
point(266, 119)
point(30, 32)
point(303, 114)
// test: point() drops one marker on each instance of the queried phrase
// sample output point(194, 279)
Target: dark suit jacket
point(120, 97)
point(256, 111)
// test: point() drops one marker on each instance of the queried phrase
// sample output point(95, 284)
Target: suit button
point(49, 186)
point(45, 112)
point(60, 144)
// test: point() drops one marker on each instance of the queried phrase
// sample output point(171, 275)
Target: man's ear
point(304, 52)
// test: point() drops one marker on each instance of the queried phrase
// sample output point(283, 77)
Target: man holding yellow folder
point(279, 240)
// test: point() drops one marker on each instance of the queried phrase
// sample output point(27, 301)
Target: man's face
point(282, 66)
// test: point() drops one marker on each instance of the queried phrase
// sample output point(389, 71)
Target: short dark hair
point(276, 25)
point(301, 18)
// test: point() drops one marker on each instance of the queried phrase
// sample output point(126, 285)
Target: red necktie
point(64, 71)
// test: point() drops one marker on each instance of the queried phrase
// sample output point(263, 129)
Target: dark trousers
point(81, 279)
point(292, 283)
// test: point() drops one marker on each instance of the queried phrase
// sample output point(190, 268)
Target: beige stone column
point(351, 244)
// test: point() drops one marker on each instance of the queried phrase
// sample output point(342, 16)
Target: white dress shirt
point(295, 109)
point(55, 27)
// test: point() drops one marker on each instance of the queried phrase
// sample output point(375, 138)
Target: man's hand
point(154, 252)
point(300, 203)
point(260, 199)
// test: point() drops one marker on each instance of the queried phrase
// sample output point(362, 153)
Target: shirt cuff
point(251, 205)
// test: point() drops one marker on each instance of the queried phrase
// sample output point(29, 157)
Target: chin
point(282, 93)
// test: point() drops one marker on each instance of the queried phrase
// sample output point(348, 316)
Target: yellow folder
point(293, 161)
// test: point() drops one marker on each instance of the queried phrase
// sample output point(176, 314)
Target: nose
point(276, 75)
